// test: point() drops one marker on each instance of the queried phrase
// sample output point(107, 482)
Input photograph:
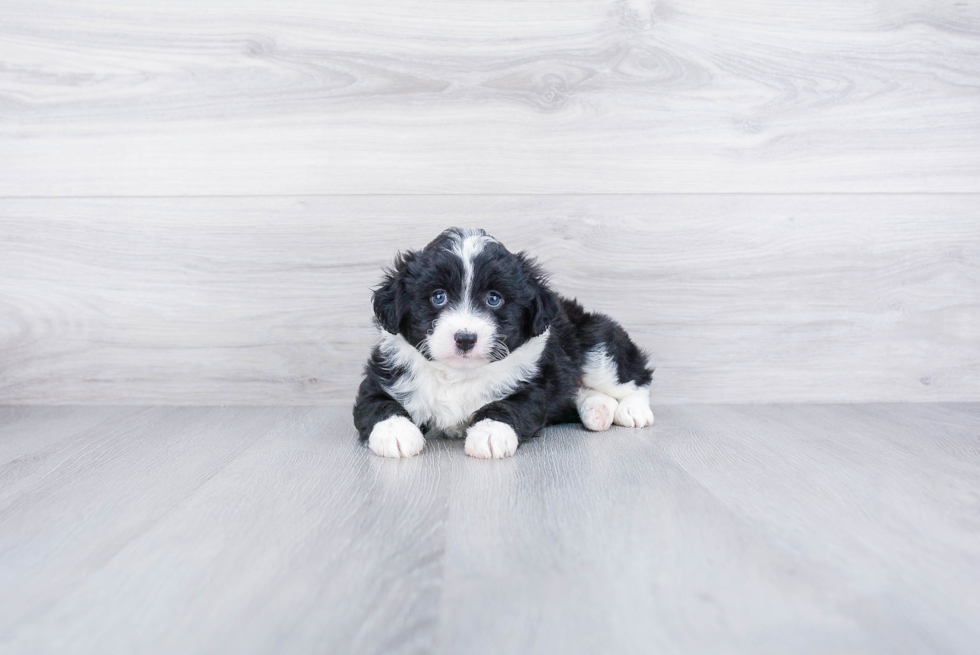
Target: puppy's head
point(464, 300)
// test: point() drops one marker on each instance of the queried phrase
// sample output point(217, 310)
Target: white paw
point(634, 412)
point(490, 439)
point(596, 411)
point(396, 437)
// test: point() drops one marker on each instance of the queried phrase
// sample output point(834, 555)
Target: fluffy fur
point(475, 343)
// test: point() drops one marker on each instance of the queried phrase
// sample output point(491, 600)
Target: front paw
point(490, 439)
point(396, 437)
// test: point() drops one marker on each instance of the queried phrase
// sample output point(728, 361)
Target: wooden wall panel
point(276, 97)
point(738, 298)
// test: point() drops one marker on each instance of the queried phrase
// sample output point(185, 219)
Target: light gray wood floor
point(767, 528)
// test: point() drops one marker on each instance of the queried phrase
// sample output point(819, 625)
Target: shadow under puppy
point(475, 343)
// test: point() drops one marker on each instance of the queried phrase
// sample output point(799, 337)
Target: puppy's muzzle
point(465, 341)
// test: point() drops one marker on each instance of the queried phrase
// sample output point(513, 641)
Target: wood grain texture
point(723, 529)
point(738, 529)
point(292, 528)
point(738, 298)
point(297, 97)
point(25, 431)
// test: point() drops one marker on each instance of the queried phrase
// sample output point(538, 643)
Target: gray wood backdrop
point(781, 200)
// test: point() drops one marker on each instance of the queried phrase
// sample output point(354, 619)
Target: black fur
point(402, 306)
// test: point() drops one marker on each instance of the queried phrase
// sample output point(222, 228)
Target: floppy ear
point(544, 306)
point(390, 303)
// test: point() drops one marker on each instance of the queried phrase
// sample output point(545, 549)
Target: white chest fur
point(447, 398)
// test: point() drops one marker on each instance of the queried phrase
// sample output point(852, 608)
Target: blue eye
point(439, 298)
point(494, 299)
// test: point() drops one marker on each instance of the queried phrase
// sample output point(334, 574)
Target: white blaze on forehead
point(467, 244)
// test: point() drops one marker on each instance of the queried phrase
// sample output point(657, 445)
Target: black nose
point(465, 341)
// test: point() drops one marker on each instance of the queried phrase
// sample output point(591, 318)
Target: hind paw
point(634, 412)
point(596, 411)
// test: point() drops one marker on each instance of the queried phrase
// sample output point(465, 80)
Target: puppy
point(475, 343)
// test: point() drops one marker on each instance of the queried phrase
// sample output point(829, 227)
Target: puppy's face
point(464, 300)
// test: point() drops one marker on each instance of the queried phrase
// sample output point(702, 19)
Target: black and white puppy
point(475, 343)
